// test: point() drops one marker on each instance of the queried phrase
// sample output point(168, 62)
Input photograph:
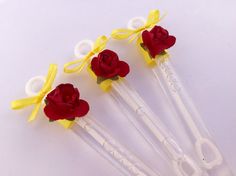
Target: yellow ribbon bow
point(37, 100)
point(153, 18)
point(78, 65)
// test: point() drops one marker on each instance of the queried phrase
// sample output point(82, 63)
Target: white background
point(35, 33)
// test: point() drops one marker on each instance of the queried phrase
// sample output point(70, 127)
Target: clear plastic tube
point(93, 134)
point(206, 150)
point(182, 164)
point(111, 150)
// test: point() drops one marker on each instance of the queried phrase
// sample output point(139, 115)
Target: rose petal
point(95, 66)
point(124, 69)
point(66, 110)
point(82, 109)
point(106, 65)
point(157, 49)
point(77, 92)
point(170, 41)
point(147, 38)
point(112, 74)
point(157, 40)
point(150, 44)
point(54, 95)
point(69, 93)
point(66, 88)
point(51, 113)
point(162, 34)
point(156, 29)
point(108, 61)
point(109, 53)
point(64, 103)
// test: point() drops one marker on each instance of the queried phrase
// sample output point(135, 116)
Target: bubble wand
point(63, 104)
point(109, 72)
point(153, 45)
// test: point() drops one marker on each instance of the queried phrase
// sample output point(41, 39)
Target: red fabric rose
point(64, 103)
point(108, 65)
point(157, 40)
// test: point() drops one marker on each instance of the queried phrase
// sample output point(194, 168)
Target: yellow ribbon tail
point(153, 18)
point(133, 37)
point(37, 100)
point(163, 16)
point(74, 66)
point(52, 72)
point(120, 34)
point(34, 112)
point(21, 103)
point(100, 44)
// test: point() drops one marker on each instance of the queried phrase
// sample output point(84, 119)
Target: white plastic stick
point(112, 149)
point(172, 85)
point(124, 161)
point(177, 156)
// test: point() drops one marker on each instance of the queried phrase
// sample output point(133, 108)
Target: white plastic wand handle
point(126, 162)
point(173, 88)
point(168, 78)
point(179, 159)
point(114, 151)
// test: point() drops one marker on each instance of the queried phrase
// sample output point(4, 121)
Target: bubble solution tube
point(63, 105)
point(153, 41)
point(109, 71)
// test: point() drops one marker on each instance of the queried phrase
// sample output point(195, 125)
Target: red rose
point(157, 40)
point(108, 65)
point(64, 103)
